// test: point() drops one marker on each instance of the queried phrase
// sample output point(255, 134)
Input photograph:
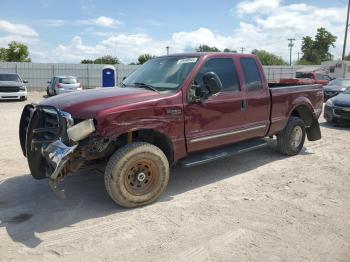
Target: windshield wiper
point(150, 87)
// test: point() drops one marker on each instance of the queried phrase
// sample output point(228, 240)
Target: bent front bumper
point(44, 140)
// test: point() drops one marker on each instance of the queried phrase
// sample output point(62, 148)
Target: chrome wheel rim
point(296, 137)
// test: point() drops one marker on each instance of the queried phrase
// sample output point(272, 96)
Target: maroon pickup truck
point(307, 78)
point(177, 110)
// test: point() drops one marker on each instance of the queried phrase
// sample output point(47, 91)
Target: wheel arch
point(305, 112)
point(153, 137)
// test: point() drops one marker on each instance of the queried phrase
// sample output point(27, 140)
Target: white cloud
point(261, 25)
point(268, 24)
point(102, 21)
point(17, 29)
point(257, 6)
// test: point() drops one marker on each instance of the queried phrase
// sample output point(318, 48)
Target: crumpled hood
point(88, 103)
point(11, 83)
point(342, 100)
point(334, 88)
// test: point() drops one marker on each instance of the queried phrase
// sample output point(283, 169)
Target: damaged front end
point(55, 144)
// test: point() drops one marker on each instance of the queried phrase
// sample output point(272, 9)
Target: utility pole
point(346, 32)
point(167, 50)
point(298, 55)
point(290, 45)
point(242, 48)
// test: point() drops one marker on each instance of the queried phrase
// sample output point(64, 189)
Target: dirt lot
point(257, 206)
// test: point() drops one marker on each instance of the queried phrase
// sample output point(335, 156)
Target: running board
point(221, 152)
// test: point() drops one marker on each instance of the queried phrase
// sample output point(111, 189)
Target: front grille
point(9, 89)
point(51, 125)
point(342, 111)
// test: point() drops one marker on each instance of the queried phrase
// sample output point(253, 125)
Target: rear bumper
point(13, 95)
point(60, 91)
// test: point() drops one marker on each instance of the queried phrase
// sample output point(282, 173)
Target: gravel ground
point(257, 206)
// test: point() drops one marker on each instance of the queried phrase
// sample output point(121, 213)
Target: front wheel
point(136, 174)
point(291, 140)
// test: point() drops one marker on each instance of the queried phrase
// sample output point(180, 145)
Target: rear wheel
point(136, 174)
point(291, 140)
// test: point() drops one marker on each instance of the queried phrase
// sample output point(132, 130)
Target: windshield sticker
point(187, 60)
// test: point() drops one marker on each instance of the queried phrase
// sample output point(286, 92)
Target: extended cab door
point(256, 97)
point(216, 120)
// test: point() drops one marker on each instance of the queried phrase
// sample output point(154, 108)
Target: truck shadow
point(29, 207)
point(335, 126)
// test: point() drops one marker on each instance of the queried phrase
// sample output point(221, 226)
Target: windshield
point(163, 73)
point(347, 91)
point(340, 82)
point(68, 80)
point(10, 77)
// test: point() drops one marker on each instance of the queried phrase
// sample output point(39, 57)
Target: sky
point(69, 31)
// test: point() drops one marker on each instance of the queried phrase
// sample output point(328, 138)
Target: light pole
point(346, 32)
point(290, 45)
point(167, 50)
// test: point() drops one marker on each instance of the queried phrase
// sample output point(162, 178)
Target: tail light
point(59, 85)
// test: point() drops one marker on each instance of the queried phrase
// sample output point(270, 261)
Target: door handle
point(244, 105)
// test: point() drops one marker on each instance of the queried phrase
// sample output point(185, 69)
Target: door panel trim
point(234, 132)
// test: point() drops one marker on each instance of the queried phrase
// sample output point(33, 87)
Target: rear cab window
point(225, 70)
point(251, 74)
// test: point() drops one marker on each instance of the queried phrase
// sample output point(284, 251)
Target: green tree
point(16, 52)
point(267, 58)
point(227, 50)
point(107, 59)
point(206, 48)
point(316, 51)
point(2, 54)
point(144, 58)
point(347, 57)
point(86, 61)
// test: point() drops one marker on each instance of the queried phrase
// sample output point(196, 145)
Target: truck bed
point(286, 97)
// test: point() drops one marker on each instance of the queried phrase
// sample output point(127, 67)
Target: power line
point(290, 45)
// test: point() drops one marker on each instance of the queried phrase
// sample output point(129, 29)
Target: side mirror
point(25, 81)
point(124, 78)
point(195, 94)
point(212, 83)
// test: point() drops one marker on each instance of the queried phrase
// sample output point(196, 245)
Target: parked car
point(177, 110)
point(12, 87)
point(337, 109)
point(335, 87)
point(306, 78)
point(62, 84)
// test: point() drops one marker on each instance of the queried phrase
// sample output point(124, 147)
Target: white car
point(12, 87)
point(62, 84)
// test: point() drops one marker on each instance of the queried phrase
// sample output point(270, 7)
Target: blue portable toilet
point(108, 76)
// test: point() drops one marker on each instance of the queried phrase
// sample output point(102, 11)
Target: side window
point(226, 71)
point(251, 74)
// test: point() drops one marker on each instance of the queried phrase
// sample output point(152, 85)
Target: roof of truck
point(209, 53)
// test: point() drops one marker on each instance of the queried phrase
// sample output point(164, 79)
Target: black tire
point(285, 140)
point(48, 92)
point(131, 164)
